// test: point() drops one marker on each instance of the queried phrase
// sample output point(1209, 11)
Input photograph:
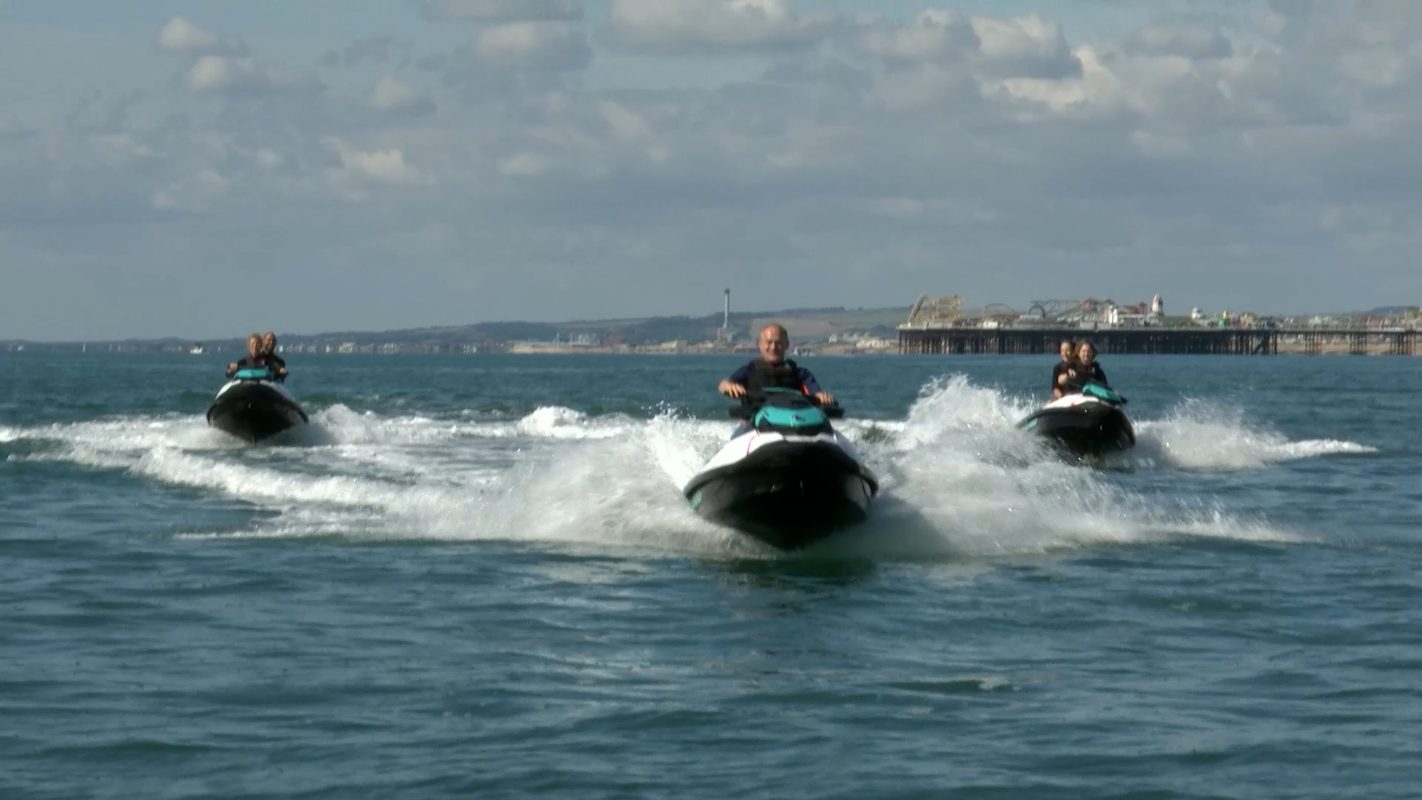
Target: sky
point(204, 168)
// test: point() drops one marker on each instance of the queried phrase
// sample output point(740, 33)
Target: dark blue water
point(475, 576)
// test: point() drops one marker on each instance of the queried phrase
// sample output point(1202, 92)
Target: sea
point(476, 576)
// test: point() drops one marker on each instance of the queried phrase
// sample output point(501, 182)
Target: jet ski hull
point(786, 493)
point(1090, 428)
point(254, 410)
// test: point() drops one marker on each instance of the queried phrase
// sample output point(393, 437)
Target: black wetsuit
point(276, 364)
point(1092, 374)
point(759, 374)
point(1057, 372)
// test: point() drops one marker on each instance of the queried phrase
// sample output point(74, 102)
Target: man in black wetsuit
point(773, 370)
point(1060, 372)
point(255, 359)
point(276, 362)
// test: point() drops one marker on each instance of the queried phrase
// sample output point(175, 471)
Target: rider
point(278, 364)
point(1086, 369)
point(773, 370)
point(256, 359)
point(1060, 375)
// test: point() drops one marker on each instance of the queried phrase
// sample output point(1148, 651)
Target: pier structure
point(963, 340)
point(939, 325)
point(1359, 341)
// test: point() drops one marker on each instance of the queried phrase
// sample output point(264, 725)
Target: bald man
point(773, 370)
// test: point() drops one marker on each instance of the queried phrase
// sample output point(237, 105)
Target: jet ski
point(254, 406)
point(786, 477)
point(1085, 423)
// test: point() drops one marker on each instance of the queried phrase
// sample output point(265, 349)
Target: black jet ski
point(254, 406)
point(1086, 423)
point(786, 478)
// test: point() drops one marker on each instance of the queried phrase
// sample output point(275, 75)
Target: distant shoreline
point(1284, 348)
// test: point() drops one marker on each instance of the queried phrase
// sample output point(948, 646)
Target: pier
point(953, 340)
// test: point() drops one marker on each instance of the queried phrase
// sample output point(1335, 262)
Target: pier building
point(938, 325)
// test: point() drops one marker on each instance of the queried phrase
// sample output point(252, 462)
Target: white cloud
point(225, 74)
point(503, 10)
point(195, 193)
point(375, 49)
point(665, 25)
point(185, 37)
point(523, 165)
point(372, 166)
point(1025, 47)
point(182, 36)
point(391, 95)
point(1097, 88)
point(929, 85)
point(534, 45)
point(1161, 145)
point(934, 34)
point(1188, 40)
point(123, 147)
point(1378, 66)
point(897, 207)
point(634, 130)
point(626, 124)
point(1208, 96)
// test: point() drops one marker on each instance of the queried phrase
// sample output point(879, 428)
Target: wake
point(958, 479)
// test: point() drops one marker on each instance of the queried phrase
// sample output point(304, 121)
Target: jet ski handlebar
point(748, 411)
point(748, 406)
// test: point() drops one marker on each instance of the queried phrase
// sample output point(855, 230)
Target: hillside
point(806, 325)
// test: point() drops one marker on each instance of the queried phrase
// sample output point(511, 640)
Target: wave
point(958, 479)
point(1202, 436)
